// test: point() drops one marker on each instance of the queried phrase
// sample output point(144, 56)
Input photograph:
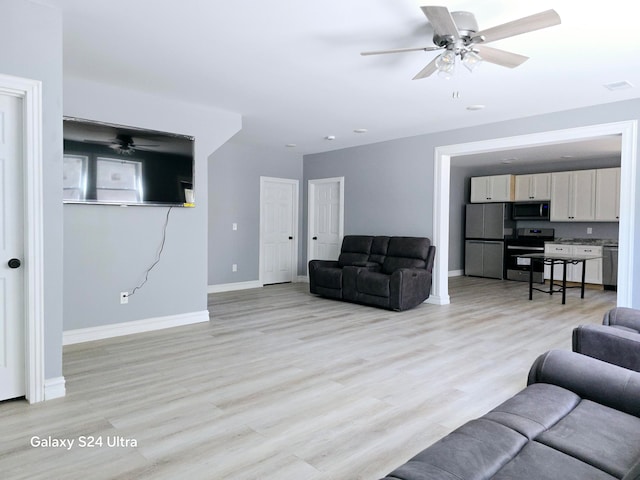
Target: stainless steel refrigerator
point(486, 226)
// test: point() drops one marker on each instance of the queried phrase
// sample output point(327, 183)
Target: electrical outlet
point(234, 267)
point(234, 226)
point(124, 298)
point(589, 230)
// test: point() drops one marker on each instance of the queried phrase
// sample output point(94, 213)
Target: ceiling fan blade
point(442, 22)
point(426, 71)
point(500, 57)
point(537, 21)
point(400, 50)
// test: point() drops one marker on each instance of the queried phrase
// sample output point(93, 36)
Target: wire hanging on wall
point(157, 260)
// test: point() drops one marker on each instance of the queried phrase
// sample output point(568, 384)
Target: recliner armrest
point(313, 264)
point(409, 287)
point(624, 317)
point(591, 379)
point(609, 344)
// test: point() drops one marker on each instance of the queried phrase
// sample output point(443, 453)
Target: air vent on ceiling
point(623, 85)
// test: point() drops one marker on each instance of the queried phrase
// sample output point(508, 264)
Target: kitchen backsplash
point(599, 230)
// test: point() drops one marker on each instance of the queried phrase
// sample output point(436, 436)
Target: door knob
point(314, 238)
point(290, 238)
point(14, 263)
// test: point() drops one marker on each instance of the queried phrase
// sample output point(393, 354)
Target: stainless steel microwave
point(530, 211)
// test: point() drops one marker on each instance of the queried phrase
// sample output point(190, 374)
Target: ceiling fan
point(457, 34)
point(124, 144)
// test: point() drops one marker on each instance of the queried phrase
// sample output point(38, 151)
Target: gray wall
point(389, 186)
point(31, 39)
point(107, 249)
point(234, 197)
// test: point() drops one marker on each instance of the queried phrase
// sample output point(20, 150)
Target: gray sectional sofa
point(388, 272)
point(578, 419)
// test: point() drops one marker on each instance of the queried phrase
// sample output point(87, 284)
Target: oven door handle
point(513, 247)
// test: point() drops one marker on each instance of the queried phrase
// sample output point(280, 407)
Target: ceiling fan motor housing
point(467, 27)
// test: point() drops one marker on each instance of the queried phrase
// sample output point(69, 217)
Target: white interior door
point(326, 218)
point(278, 220)
point(12, 314)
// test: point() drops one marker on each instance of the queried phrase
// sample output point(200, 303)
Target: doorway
point(442, 164)
point(278, 230)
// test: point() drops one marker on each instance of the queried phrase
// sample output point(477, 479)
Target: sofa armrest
point(591, 379)
point(623, 317)
point(313, 264)
point(609, 344)
point(409, 287)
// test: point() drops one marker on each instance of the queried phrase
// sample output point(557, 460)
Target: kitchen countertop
point(602, 242)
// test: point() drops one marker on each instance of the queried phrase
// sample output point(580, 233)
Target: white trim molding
point(30, 91)
point(54, 388)
point(628, 130)
point(81, 335)
point(232, 287)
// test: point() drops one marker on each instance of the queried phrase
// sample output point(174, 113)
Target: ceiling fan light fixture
point(446, 61)
point(471, 60)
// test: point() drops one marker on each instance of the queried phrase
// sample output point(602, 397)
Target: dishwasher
point(610, 267)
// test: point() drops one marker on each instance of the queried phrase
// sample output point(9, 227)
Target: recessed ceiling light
point(509, 160)
point(360, 130)
point(475, 107)
point(291, 145)
point(623, 85)
point(330, 137)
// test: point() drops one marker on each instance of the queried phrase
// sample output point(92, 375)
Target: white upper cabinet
point(494, 188)
point(536, 186)
point(608, 194)
point(573, 196)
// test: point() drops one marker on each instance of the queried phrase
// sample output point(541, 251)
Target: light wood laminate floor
point(284, 385)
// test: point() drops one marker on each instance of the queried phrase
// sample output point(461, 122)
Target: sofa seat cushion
point(373, 283)
point(329, 277)
point(539, 462)
point(601, 436)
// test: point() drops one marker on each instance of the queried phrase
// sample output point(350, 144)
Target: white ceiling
point(292, 68)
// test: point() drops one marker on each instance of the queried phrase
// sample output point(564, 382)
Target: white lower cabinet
point(593, 273)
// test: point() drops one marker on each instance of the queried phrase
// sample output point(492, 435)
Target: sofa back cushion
point(355, 249)
point(406, 252)
point(379, 249)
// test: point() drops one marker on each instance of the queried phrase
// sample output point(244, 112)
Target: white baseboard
point(90, 334)
point(438, 300)
point(303, 279)
point(54, 388)
point(231, 287)
point(456, 273)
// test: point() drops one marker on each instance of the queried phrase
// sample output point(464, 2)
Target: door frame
point(296, 218)
point(628, 130)
point(30, 91)
point(311, 217)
